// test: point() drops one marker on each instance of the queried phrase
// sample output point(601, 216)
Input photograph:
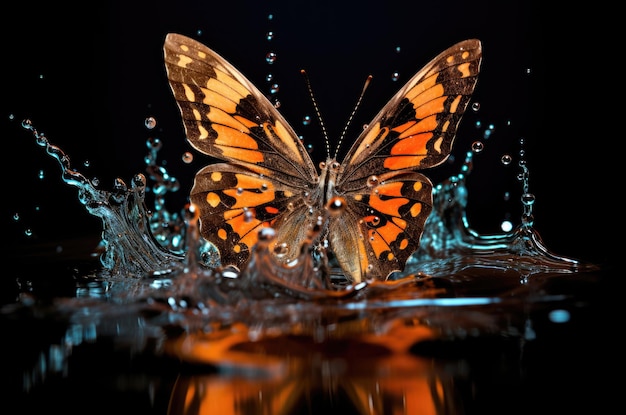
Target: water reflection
point(470, 342)
point(358, 377)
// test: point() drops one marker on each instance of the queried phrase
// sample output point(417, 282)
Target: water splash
point(448, 235)
point(129, 245)
point(141, 243)
point(161, 287)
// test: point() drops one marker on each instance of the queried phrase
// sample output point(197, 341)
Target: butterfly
point(374, 202)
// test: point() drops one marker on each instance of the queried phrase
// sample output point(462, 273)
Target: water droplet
point(559, 316)
point(11, 117)
point(41, 140)
point(528, 219)
point(309, 148)
point(41, 174)
point(248, 216)
point(16, 216)
point(528, 71)
point(267, 234)
point(372, 181)
point(276, 103)
point(239, 191)
point(28, 232)
point(187, 157)
point(374, 221)
point(478, 146)
point(274, 88)
point(270, 16)
point(336, 205)
point(269, 35)
point(478, 124)
point(199, 32)
point(506, 159)
point(506, 226)
point(150, 123)
point(269, 77)
point(528, 199)
point(475, 106)
point(507, 196)
point(398, 49)
point(270, 57)
point(395, 76)
point(281, 249)
point(154, 143)
point(306, 120)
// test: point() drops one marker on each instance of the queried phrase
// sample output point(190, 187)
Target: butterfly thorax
point(329, 170)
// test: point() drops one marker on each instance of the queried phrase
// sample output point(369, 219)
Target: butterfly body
point(372, 204)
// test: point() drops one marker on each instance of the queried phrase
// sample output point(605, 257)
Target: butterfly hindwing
point(235, 203)
point(390, 216)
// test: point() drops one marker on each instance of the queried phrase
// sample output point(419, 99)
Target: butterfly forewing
point(225, 115)
point(417, 127)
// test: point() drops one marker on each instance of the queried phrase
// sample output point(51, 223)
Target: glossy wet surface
point(479, 340)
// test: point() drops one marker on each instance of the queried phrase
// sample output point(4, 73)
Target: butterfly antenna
point(356, 106)
point(317, 110)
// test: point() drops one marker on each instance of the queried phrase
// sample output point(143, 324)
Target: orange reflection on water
point(286, 374)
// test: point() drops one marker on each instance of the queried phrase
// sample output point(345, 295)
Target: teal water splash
point(129, 245)
point(145, 244)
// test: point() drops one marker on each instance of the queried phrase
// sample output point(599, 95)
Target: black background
point(88, 76)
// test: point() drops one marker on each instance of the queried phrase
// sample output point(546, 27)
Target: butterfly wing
point(267, 170)
point(386, 198)
point(235, 203)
